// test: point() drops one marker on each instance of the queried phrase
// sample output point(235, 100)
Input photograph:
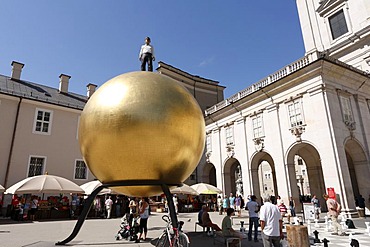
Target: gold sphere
point(142, 125)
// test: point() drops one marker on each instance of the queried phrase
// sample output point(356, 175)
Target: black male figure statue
point(147, 55)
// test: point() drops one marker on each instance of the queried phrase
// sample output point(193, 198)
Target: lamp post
point(300, 181)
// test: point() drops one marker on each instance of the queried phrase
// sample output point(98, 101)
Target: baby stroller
point(128, 231)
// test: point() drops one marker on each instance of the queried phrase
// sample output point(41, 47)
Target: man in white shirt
point(271, 223)
point(253, 209)
point(147, 55)
point(108, 206)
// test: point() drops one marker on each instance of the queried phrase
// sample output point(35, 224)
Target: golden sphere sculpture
point(141, 126)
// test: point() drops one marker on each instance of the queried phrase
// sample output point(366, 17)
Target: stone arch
point(257, 161)
point(311, 159)
point(358, 165)
point(209, 174)
point(230, 167)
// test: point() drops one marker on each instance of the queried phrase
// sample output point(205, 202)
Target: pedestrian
point(271, 223)
point(144, 215)
point(206, 220)
point(176, 203)
point(108, 206)
point(333, 212)
point(146, 55)
point(232, 201)
point(118, 204)
point(238, 202)
point(316, 205)
point(227, 229)
point(219, 204)
point(253, 208)
point(34, 207)
point(97, 206)
point(292, 207)
point(225, 203)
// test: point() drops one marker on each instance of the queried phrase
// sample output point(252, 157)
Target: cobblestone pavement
point(101, 232)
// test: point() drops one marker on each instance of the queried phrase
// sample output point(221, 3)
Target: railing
point(264, 82)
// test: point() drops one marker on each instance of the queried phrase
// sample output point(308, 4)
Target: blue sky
point(235, 42)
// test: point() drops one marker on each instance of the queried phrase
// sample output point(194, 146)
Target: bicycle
point(172, 237)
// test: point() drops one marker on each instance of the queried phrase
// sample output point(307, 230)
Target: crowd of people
point(268, 214)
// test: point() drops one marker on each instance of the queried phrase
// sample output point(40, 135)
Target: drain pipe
point(12, 143)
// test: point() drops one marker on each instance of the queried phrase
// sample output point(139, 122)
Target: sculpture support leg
point(83, 215)
point(171, 205)
point(91, 197)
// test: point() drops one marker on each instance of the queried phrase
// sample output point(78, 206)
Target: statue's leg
point(171, 205)
point(83, 215)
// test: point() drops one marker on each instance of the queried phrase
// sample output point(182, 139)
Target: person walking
point(225, 203)
point(232, 201)
point(144, 215)
point(219, 204)
point(333, 212)
point(292, 207)
point(238, 203)
point(253, 209)
point(34, 206)
point(118, 204)
point(316, 205)
point(146, 55)
point(97, 206)
point(108, 206)
point(271, 223)
point(176, 203)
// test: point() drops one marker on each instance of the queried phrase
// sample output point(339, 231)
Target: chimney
point(91, 89)
point(63, 83)
point(17, 70)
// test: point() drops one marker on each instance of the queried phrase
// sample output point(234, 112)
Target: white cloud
point(207, 61)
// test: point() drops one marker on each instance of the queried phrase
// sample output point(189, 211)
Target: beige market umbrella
point(89, 187)
point(2, 189)
point(184, 189)
point(208, 189)
point(48, 184)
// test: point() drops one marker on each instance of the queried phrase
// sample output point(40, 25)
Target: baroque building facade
point(313, 113)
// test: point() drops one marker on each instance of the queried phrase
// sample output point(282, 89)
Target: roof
point(37, 92)
point(186, 74)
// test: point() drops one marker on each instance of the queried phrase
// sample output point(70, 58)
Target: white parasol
point(89, 187)
point(208, 189)
point(44, 184)
point(184, 189)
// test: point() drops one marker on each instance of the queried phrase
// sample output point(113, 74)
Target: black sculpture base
point(89, 201)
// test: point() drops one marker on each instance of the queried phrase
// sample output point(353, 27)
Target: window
point(208, 143)
point(346, 109)
point(300, 162)
point(43, 121)
point(338, 25)
point(295, 114)
point(303, 172)
point(36, 166)
point(229, 135)
point(80, 170)
point(257, 126)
